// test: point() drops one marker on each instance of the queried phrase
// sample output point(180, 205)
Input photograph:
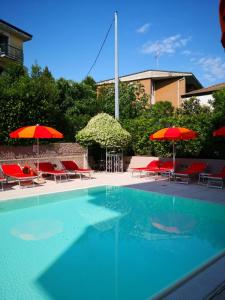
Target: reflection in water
point(172, 222)
point(116, 244)
point(106, 216)
point(37, 230)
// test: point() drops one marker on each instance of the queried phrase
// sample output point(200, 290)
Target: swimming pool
point(103, 243)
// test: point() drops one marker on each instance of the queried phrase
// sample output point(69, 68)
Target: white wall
point(203, 99)
point(214, 165)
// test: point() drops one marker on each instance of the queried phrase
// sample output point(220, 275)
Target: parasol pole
point(38, 157)
point(174, 154)
point(38, 162)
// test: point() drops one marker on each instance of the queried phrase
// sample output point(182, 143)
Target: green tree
point(140, 129)
point(160, 110)
point(77, 102)
point(105, 131)
point(192, 106)
point(219, 101)
point(132, 100)
point(199, 118)
point(218, 121)
point(26, 100)
point(191, 115)
point(218, 104)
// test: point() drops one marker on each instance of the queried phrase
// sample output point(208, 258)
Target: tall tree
point(133, 100)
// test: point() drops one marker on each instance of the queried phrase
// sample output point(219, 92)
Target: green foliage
point(197, 117)
point(191, 115)
point(219, 101)
point(105, 131)
point(132, 100)
point(140, 129)
point(36, 97)
point(219, 108)
point(218, 120)
point(192, 106)
point(162, 109)
point(28, 98)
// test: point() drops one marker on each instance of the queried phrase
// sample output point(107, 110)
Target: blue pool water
point(103, 243)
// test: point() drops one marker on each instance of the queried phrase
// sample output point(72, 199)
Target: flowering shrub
point(105, 131)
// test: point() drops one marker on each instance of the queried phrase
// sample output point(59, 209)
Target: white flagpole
point(116, 69)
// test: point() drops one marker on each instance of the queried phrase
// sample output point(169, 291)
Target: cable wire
point(102, 45)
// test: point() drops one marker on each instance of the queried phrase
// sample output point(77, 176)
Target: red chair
point(221, 173)
point(191, 171)
point(15, 172)
point(166, 166)
point(152, 167)
point(217, 179)
point(167, 169)
point(49, 169)
point(72, 168)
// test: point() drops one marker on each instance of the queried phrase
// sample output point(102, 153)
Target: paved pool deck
point(147, 183)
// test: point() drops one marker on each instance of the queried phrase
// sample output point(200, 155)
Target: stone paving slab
point(149, 183)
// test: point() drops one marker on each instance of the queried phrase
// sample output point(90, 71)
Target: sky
point(67, 35)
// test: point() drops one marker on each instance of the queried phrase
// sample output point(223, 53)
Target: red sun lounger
point(152, 167)
point(191, 171)
point(72, 168)
point(15, 172)
point(49, 169)
point(216, 180)
point(167, 166)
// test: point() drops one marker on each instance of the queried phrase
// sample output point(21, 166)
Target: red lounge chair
point(167, 169)
point(72, 168)
point(49, 169)
point(217, 179)
point(152, 167)
point(15, 172)
point(166, 166)
point(219, 174)
point(191, 171)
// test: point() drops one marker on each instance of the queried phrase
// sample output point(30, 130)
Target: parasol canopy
point(219, 132)
point(36, 132)
point(173, 134)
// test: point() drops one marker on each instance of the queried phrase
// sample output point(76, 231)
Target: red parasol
point(219, 132)
point(36, 132)
point(174, 134)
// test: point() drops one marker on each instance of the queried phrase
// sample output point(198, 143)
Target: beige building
point(11, 43)
point(205, 95)
point(162, 85)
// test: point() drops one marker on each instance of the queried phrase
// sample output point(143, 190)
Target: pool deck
point(149, 183)
point(202, 284)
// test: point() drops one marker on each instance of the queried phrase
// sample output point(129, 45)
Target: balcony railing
point(11, 52)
